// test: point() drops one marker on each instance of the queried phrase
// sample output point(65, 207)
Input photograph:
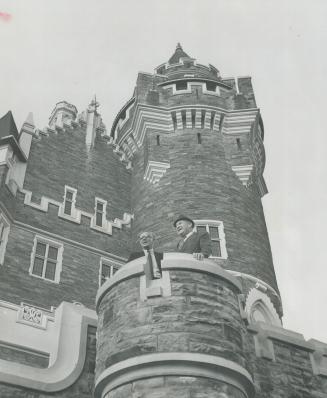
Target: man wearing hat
point(192, 242)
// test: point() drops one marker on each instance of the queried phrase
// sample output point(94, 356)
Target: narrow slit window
point(238, 144)
point(158, 140)
point(173, 116)
point(199, 138)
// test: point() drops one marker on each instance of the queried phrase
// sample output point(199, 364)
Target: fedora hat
point(182, 217)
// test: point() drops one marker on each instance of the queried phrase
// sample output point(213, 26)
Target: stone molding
point(155, 171)
point(181, 261)
point(174, 364)
point(44, 206)
point(68, 364)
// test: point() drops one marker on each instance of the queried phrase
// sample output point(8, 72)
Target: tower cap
point(183, 217)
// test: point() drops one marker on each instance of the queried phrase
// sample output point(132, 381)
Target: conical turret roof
point(8, 126)
point(178, 54)
point(9, 134)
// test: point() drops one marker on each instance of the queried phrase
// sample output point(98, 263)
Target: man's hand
point(198, 256)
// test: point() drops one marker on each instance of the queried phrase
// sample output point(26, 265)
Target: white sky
point(55, 50)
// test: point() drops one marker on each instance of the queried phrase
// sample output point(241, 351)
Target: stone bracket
point(155, 171)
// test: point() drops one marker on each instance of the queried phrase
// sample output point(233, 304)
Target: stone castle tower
point(79, 318)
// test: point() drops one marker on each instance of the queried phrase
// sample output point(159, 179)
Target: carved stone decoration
point(32, 316)
point(259, 308)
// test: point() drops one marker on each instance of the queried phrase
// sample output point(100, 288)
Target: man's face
point(146, 240)
point(183, 227)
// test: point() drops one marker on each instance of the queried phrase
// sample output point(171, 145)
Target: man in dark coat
point(153, 259)
point(198, 244)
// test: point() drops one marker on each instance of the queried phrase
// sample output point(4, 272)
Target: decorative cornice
point(174, 364)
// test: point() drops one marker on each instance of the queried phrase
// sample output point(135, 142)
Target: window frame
point(4, 234)
point(48, 243)
point(73, 211)
point(221, 234)
point(104, 213)
point(114, 265)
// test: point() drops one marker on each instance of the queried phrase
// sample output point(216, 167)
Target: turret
point(194, 142)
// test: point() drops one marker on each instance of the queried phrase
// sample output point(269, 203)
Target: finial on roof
point(178, 54)
point(94, 105)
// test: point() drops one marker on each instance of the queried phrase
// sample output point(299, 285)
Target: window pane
point(99, 206)
point(98, 219)
point(105, 272)
point(68, 208)
point(69, 195)
point(114, 270)
point(201, 229)
point(216, 252)
point(40, 249)
point(38, 266)
point(53, 252)
point(50, 270)
point(214, 233)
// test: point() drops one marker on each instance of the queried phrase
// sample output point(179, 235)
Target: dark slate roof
point(9, 134)
point(8, 126)
point(179, 53)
